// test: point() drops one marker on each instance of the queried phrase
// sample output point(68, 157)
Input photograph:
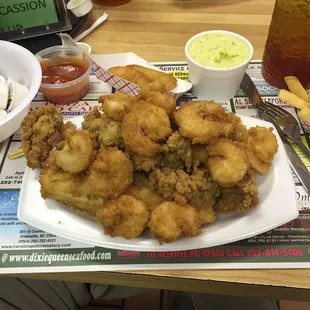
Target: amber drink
point(287, 50)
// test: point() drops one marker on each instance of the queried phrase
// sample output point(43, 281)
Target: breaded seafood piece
point(156, 94)
point(170, 182)
point(75, 154)
point(240, 132)
point(177, 152)
point(124, 216)
point(117, 105)
point(130, 74)
point(108, 177)
point(106, 131)
point(171, 221)
point(203, 122)
point(65, 187)
point(165, 79)
point(39, 132)
point(227, 162)
point(261, 147)
point(142, 190)
point(205, 201)
point(144, 163)
point(241, 197)
point(143, 127)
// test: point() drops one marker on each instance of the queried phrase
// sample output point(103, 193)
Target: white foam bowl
point(218, 84)
point(23, 67)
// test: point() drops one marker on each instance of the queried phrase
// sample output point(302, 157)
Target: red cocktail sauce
point(64, 79)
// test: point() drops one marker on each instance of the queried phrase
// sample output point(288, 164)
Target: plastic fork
point(286, 121)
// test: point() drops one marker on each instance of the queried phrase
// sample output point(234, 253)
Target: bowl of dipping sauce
point(65, 74)
point(217, 61)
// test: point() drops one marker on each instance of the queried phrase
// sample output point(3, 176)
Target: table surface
point(157, 30)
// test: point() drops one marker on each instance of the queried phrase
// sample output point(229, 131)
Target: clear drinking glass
point(287, 50)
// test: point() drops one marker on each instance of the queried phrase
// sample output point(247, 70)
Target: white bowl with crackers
point(20, 81)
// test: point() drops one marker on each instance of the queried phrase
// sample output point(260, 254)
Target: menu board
point(26, 13)
point(20, 19)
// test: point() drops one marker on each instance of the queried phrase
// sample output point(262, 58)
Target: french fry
point(296, 88)
point(304, 114)
point(16, 154)
point(292, 99)
point(308, 97)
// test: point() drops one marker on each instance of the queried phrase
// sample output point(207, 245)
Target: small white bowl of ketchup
point(65, 74)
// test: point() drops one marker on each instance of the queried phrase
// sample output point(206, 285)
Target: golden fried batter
point(240, 132)
point(163, 78)
point(39, 132)
point(141, 163)
point(143, 126)
point(130, 75)
point(125, 216)
point(240, 197)
point(65, 187)
point(108, 177)
point(117, 105)
point(142, 190)
point(227, 162)
point(203, 121)
point(155, 93)
point(144, 163)
point(261, 148)
point(177, 152)
point(105, 131)
point(171, 221)
point(75, 154)
point(169, 182)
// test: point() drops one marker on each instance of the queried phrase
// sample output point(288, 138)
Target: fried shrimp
point(39, 132)
point(203, 121)
point(155, 93)
point(125, 216)
point(165, 79)
point(143, 126)
point(116, 105)
point(261, 148)
point(227, 163)
point(110, 174)
point(75, 154)
point(130, 74)
point(241, 197)
point(171, 221)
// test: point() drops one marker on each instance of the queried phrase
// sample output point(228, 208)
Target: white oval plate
point(278, 205)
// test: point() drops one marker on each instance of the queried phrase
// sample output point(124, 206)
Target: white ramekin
point(218, 84)
point(80, 7)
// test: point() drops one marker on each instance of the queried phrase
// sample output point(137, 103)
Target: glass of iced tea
point(287, 50)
